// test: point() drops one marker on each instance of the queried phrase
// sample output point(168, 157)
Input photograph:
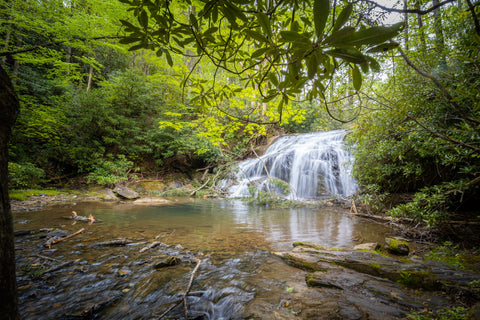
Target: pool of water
point(233, 240)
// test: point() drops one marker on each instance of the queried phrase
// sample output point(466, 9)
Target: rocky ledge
point(370, 285)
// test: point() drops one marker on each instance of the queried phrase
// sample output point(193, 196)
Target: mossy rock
point(397, 246)
point(152, 186)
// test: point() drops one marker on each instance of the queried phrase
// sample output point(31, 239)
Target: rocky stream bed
point(90, 277)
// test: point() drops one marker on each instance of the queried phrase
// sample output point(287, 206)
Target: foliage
point(422, 136)
point(453, 313)
point(278, 48)
point(24, 175)
point(452, 255)
point(109, 172)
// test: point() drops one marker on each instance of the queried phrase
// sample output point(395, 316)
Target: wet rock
point(166, 262)
point(125, 192)
point(367, 246)
point(397, 246)
point(108, 194)
point(428, 275)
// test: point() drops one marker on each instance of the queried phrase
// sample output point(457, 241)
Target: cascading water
point(313, 165)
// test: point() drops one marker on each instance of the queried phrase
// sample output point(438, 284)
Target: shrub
point(24, 175)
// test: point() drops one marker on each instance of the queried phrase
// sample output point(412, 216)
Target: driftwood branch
point(54, 240)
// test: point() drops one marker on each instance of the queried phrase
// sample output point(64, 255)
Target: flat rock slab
point(368, 285)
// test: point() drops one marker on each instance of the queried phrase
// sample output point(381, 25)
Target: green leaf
point(384, 47)
point(169, 57)
point(348, 54)
point(338, 35)
point(255, 35)
point(290, 36)
point(259, 52)
point(128, 40)
point(343, 17)
point(143, 19)
point(264, 22)
point(130, 27)
point(273, 78)
point(357, 78)
point(312, 66)
point(321, 10)
point(370, 36)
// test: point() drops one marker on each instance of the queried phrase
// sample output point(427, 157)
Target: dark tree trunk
point(9, 108)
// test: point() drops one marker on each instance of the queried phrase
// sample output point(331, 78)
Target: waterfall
point(313, 165)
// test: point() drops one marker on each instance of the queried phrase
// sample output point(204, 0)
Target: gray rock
point(125, 192)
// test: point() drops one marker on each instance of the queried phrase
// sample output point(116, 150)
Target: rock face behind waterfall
point(313, 164)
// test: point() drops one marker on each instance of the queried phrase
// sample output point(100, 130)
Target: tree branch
point(439, 85)
point(417, 11)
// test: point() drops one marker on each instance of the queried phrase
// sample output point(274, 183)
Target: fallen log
point(60, 266)
point(56, 239)
point(115, 242)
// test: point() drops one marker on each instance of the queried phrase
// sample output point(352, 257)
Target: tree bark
point(439, 39)
point(9, 108)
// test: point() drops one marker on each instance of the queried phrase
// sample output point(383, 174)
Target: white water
point(313, 164)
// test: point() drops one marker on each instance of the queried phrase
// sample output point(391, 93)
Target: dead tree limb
point(54, 240)
point(201, 187)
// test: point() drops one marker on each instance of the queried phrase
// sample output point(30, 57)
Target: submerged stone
point(166, 262)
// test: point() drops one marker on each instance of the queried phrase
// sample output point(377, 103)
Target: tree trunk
point(421, 33)
point(90, 76)
point(405, 19)
point(9, 108)
point(439, 40)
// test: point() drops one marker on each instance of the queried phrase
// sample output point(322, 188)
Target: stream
point(238, 278)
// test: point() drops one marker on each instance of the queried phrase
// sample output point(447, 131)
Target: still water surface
point(233, 239)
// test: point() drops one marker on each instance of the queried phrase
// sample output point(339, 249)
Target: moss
point(397, 246)
point(22, 195)
point(419, 280)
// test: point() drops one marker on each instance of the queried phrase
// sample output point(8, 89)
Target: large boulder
point(125, 192)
